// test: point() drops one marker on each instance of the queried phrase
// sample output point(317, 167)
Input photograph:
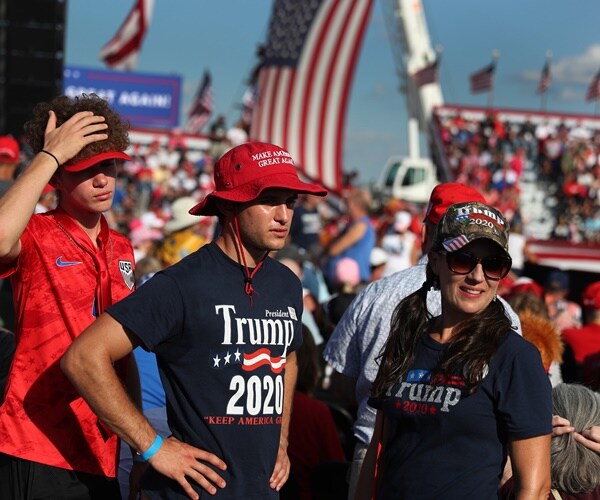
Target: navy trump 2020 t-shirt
point(446, 443)
point(221, 357)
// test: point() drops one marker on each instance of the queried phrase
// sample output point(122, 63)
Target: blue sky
point(188, 36)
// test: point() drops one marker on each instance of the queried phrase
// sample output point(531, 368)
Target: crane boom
point(413, 177)
point(418, 53)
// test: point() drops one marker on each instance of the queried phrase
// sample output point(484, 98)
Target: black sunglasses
point(495, 267)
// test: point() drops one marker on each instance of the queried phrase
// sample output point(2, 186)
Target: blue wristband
point(154, 447)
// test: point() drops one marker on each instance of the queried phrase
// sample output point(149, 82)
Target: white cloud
point(530, 75)
point(569, 94)
point(579, 68)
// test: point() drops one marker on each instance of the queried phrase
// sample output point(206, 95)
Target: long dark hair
point(475, 341)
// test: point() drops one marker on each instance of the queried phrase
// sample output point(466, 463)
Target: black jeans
point(25, 480)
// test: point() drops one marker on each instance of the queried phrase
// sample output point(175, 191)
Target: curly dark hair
point(475, 341)
point(65, 107)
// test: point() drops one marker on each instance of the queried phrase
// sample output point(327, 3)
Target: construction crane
point(412, 177)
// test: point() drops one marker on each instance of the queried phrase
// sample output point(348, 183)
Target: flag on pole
point(304, 82)
point(426, 75)
point(122, 51)
point(202, 107)
point(248, 104)
point(593, 91)
point(483, 79)
point(545, 78)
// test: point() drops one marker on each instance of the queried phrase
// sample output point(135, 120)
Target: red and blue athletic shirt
point(56, 290)
point(221, 358)
point(446, 443)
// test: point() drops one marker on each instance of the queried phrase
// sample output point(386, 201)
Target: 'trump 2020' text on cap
point(466, 222)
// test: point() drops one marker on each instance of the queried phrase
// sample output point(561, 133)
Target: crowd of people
point(241, 334)
point(492, 155)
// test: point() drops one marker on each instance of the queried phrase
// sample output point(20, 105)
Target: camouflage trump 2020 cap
point(466, 222)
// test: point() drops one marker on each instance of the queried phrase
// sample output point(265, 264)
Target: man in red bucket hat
point(224, 323)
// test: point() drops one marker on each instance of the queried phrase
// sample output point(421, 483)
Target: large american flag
point(202, 107)
point(304, 82)
point(545, 78)
point(483, 79)
point(593, 91)
point(122, 51)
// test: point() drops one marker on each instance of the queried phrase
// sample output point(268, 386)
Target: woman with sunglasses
point(458, 393)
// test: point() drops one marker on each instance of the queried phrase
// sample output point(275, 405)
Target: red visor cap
point(93, 160)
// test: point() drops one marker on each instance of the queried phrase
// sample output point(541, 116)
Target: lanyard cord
point(248, 287)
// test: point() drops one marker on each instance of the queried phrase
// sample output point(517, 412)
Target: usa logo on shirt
point(126, 268)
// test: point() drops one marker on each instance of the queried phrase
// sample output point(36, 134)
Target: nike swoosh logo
point(63, 263)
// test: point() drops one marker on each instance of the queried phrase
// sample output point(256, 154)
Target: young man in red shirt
point(66, 266)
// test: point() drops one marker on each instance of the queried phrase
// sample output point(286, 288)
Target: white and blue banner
point(145, 100)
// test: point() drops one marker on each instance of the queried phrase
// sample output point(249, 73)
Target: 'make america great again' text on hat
point(245, 171)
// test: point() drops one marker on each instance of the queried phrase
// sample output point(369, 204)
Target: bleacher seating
point(540, 168)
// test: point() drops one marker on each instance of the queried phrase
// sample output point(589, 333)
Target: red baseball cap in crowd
point(94, 159)
point(524, 284)
point(9, 149)
point(446, 194)
point(245, 171)
point(591, 296)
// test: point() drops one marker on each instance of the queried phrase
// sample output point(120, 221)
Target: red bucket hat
point(247, 170)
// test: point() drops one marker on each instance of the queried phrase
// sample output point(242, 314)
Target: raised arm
point(349, 238)
point(18, 203)
point(88, 363)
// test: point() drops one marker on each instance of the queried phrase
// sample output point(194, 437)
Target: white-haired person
point(458, 393)
point(575, 444)
point(575, 461)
